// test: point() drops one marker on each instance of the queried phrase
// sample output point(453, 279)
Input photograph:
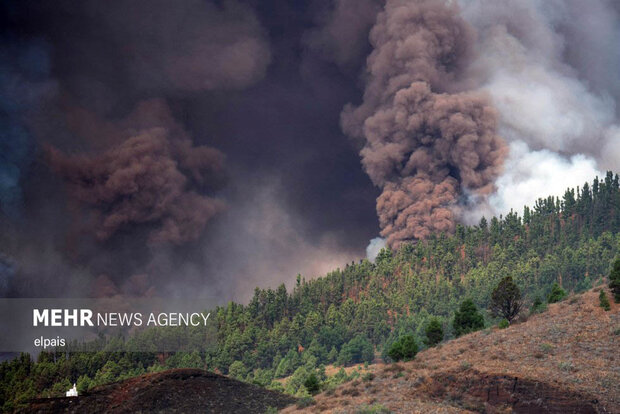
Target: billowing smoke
point(136, 167)
point(153, 177)
point(204, 139)
point(551, 69)
point(96, 108)
point(534, 174)
point(427, 142)
point(374, 247)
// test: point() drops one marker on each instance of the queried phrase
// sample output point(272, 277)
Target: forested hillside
point(352, 314)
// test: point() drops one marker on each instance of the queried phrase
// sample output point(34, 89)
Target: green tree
point(556, 294)
point(405, 348)
point(506, 299)
point(262, 377)
point(603, 301)
point(83, 383)
point(614, 280)
point(537, 306)
point(434, 332)
point(312, 384)
point(238, 370)
point(357, 350)
point(191, 360)
point(467, 318)
point(333, 355)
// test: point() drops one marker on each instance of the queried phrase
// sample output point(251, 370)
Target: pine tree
point(312, 384)
point(506, 299)
point(404, 348)
point(556, 294)
point(467, 319)
point(434, 333)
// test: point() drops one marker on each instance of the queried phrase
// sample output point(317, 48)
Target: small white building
point(72, 392)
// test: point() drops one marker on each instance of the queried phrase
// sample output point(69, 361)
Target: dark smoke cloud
point(162, 46)
point(150, 96)
point(187, 46)
point(341, 35)
point(24, 86)
point(426, 143)
point(152, 177)
point(264, 82)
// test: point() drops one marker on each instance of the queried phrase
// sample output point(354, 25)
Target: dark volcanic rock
point(175, 391)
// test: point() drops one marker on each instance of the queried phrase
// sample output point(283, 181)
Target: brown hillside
point(565, 360)
point(175, 391)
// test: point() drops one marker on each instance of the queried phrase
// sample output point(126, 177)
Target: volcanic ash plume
point(153, 177)
point(429, 145)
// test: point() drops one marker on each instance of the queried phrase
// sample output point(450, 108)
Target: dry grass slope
point(565, 360)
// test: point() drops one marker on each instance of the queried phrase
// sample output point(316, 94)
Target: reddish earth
point(175, 391)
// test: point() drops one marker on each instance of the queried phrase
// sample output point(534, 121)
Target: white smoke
point(374, 247)
point(559, 120)
point(531, 175)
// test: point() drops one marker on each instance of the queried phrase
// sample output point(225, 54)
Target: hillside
point(564, 360)
point(352, 314)
point(180, 390)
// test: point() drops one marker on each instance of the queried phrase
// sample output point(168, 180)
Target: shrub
point(556, 294)
point(603, 301)
point(506, 299)
point(567, 366)
point(538, 306)
point(546, 348)
point(368, 377)
point(614, 280)
point(503, 324)
point(434, 333)
point(373, 409)
point(404, 348)
point(467, 319)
